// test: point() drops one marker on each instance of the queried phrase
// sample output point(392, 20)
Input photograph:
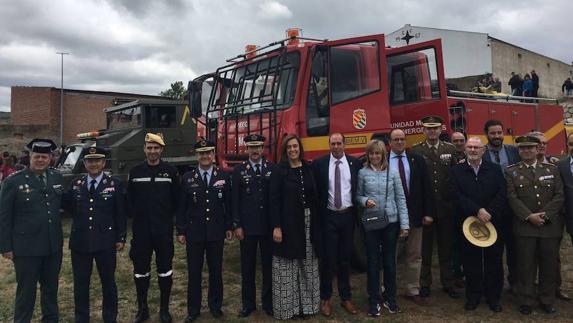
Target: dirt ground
point(441, 308)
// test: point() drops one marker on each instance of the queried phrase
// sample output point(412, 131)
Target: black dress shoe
point(470, 306)
point(525, 309)
point(217, 313)
point(245, 312)
point(548, 308)
point(496, 308)
point(142, 315)
point(165, 317)
point(424, 292)
point(192, 317)
point(269, 311)
point(452, 293)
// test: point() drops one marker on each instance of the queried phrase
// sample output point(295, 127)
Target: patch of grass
point(441, 308)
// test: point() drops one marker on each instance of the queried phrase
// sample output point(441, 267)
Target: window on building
point(413, 77)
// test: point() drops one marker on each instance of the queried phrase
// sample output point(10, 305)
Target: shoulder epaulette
point(448, 144)
point(513, 165)
point(417, 144)
point(548, 164)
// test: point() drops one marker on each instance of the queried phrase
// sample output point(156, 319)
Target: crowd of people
point(10, 164)
point(526, 86)
point(476, 199)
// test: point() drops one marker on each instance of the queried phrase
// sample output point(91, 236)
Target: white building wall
point(465, 53)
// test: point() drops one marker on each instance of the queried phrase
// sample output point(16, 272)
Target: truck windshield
point(263, 84)
point(124, 119)
point(71, 156)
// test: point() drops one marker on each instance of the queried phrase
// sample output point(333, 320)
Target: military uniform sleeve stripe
point(162, 179)
point(141, 179)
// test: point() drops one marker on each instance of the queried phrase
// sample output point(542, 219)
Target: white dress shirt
point(345, 183)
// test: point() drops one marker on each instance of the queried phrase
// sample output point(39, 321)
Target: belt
point(342, 211)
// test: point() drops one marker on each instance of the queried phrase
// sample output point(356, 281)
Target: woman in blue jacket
point(380, 191)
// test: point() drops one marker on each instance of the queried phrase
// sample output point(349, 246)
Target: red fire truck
point(356, 86)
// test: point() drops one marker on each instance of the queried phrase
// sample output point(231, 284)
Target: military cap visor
point(204, 146)
point(95, 153)
point(254, 140)
point(42, 146)
point(156, 138)
point(527, 141)
point(432, 121)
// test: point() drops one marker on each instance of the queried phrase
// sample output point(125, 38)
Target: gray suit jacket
point(565, 171)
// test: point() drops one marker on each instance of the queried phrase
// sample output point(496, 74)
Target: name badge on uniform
point(307, 212)
point(220, 195)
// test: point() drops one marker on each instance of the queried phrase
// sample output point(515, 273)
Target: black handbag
point(372, 222)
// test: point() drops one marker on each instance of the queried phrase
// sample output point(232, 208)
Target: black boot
point(141, 286)
point(165, 292)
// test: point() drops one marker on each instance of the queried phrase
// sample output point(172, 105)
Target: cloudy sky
point(141, 46)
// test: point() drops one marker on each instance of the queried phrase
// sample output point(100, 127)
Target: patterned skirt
point(296, 282)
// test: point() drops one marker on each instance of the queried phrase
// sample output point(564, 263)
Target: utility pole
point(62, 99)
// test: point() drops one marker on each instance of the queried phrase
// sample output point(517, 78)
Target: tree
point(177, 91)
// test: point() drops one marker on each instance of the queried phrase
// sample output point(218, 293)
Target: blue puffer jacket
point(372, 185)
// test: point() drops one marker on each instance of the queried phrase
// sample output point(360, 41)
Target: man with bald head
point(458, 139)
point(418, 190)
point(479, 189)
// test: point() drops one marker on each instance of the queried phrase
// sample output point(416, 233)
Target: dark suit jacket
point(320, 167)
point(204, 212)
point(512, 154)
point(486, 190)
point(565, 171)
point(287, 211)
point(420, 198)
point(99, 221)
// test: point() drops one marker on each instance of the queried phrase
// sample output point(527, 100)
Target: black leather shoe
point(470, 306)
point(496, 308)
point(525, 310)
point(217, 313)
point(424, 292)
point(192, 317)
point(245, 312)
point(269, 311)
point(142, 315)
point(165, 317)
point(452, 293)
point(548, 308)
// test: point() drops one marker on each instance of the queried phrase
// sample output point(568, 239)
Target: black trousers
point(337, 233)
point(534, 253)
point(197, 251)
point(510, 254)
point(141, 252)
point(30, 271)
point(483, 268)
point(82, 264)
point(249, 246)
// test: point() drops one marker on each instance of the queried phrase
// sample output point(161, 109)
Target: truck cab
point(124, 136)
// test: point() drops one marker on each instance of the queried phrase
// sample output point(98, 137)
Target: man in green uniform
point(439, 157)
point(535, 194)
point(31, 231)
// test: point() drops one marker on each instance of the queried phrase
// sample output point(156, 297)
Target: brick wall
point(31, 105)
point(83, 113)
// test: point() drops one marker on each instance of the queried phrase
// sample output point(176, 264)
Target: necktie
point(337, 193)
point(93, 186)
point(257, 169)
point(402, 174)
point(433, 150)
point(42, 179)
point(205, 178)
point(496, 156)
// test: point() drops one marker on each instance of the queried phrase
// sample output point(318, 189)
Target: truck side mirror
point(195, 94)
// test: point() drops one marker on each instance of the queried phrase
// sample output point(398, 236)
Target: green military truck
point(124, 135)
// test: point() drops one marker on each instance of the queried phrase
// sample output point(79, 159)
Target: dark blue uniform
point(99, 222)
point(152, 192)
point(203, 216)
point(251, 213)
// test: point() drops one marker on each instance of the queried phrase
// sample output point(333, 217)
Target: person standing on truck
point(251, 223)
point(99, 227)
point(535, 194)
point(31, 232)
point(336, 175)
point(439, 157)
point(204, 221)
point(535, 79)
point(152, 192)
point(515, 84)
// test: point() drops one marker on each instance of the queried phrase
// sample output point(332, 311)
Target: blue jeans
point(382, 243)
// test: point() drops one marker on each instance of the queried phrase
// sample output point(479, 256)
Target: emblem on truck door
point(359, 118)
